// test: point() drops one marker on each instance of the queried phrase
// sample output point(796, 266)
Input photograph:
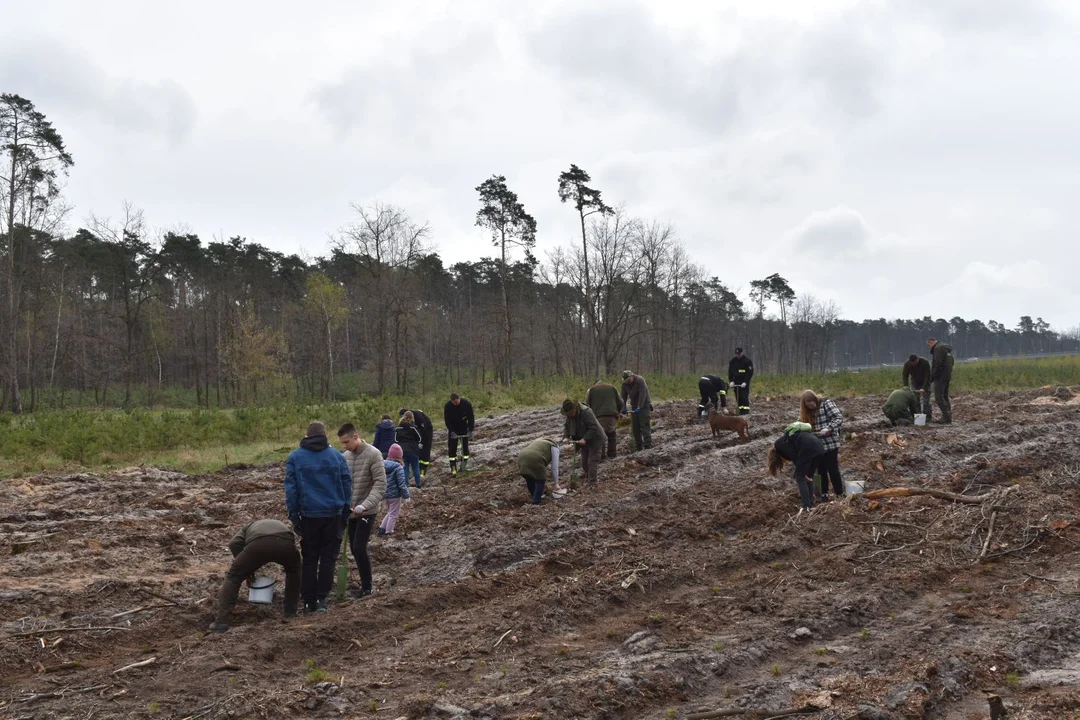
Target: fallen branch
point(755, 712)
point(132, 666)
point(137, 610)
point(503, 637)
point(59, 693)
point(939, 494)
point(153, 594)
point(989, 534)
point(53, 631)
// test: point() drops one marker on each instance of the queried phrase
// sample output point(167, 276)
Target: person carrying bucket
point(256, 544)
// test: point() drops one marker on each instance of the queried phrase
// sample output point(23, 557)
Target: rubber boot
point(453, 468)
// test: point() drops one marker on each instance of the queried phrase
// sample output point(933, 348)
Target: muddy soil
point(685, 582)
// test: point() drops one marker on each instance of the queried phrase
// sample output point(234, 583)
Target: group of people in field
point(331, 495)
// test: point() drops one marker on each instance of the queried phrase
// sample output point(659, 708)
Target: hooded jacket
point(369, 478)
point(318, 483)
point(397, 486)
point(384, 436)
point(802, 448)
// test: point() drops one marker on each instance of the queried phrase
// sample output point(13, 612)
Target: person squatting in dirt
point(828, 425)
point(409, 438)
point(799, 445)
point(636, 390)
point(365, 463)
point(941, 373)
point(256, 544)
point(427, 432)
point(533, 463)
point(713, 391)
point(459, 419)
point(318, 489)
point(588, 435)
point(603, 398)
point(397, 489)
point(917, 376)
point(740, 373)
point(384, 435)
point(901, 406)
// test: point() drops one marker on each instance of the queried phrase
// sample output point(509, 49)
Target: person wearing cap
point(713, 391)
point(459, 419)
point(588, 435)
point(318, 490)
point(603, 398)
point(397, 488)
point(636, 390)
point(533, 463)
point(740, 371)
point(427, 432)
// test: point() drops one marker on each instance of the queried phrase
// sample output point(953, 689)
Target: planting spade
point(573, 470)
point(343, 567)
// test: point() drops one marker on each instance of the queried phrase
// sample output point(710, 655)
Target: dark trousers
point(709, 395)
point(425, 456)
point(359, 533)
point(590, 461)
point(641, 428)
point(536, 488)
point(806, 490)
point(941, 396)
point(828, 466)
point(452, 443)
point(320, 540)
point(743, 396)
point(609, 423)
point(255, 554)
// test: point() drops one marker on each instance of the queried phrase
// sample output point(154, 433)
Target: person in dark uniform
point(713, 390)
point(917, 371)
point(740, 372)
point(941, 374)
point(459, 419)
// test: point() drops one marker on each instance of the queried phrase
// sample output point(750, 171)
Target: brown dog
point(734, 423)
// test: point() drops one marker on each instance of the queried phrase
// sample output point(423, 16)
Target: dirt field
point(686, 582)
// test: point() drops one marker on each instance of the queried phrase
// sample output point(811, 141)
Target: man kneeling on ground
point(256, 544)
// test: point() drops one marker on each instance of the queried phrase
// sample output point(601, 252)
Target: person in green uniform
point(603, 398)
point(585, 430)
point(533, 464)
point(901, 406)
point(941, 355)
point(254, 545)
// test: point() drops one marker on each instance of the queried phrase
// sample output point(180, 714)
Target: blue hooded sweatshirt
point(384, 436)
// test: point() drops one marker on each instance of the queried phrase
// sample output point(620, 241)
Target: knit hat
point(568, 406)
point(394, 453)
point(627, 373)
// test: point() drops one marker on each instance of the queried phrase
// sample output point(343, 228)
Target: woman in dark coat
point(799, 445)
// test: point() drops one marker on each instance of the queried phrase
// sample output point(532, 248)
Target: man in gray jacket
point(256, 544)
point(369, 488)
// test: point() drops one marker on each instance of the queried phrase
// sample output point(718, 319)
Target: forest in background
point(118, 313)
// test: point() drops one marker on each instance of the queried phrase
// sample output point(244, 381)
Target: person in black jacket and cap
point(799, 445)
point(713, 390)
point(740, 372)
point(459, 419)
point(427, 431)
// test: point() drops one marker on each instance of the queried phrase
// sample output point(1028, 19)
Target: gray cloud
point(55, 74)
point(841, 232)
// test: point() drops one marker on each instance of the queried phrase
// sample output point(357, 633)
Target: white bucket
point(853, 487)
point(920, 419)
point(261, 591)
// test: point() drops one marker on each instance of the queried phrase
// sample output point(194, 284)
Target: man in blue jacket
point(318, 490)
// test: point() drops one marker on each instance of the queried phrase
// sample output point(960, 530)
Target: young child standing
point(397, 488)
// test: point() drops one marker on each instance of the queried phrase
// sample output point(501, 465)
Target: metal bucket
point(261, 591)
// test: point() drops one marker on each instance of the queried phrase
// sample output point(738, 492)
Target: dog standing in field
point(734, 423)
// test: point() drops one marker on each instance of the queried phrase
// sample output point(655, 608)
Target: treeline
point(117, 311)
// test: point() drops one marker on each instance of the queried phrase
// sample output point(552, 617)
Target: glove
point(798, 427)
point(637, 410)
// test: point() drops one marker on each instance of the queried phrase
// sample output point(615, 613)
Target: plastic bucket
point(920, 419)
point(853, 487)
point(261, 591)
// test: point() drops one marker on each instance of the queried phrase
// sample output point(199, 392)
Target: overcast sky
point(903, 158)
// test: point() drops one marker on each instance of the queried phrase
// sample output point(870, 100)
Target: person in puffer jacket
point(318, 491)
point(397, 489)
point(801, 446)
point(369, 487)
point(384, 435)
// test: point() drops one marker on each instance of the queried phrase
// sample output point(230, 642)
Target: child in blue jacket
point(397, 488)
